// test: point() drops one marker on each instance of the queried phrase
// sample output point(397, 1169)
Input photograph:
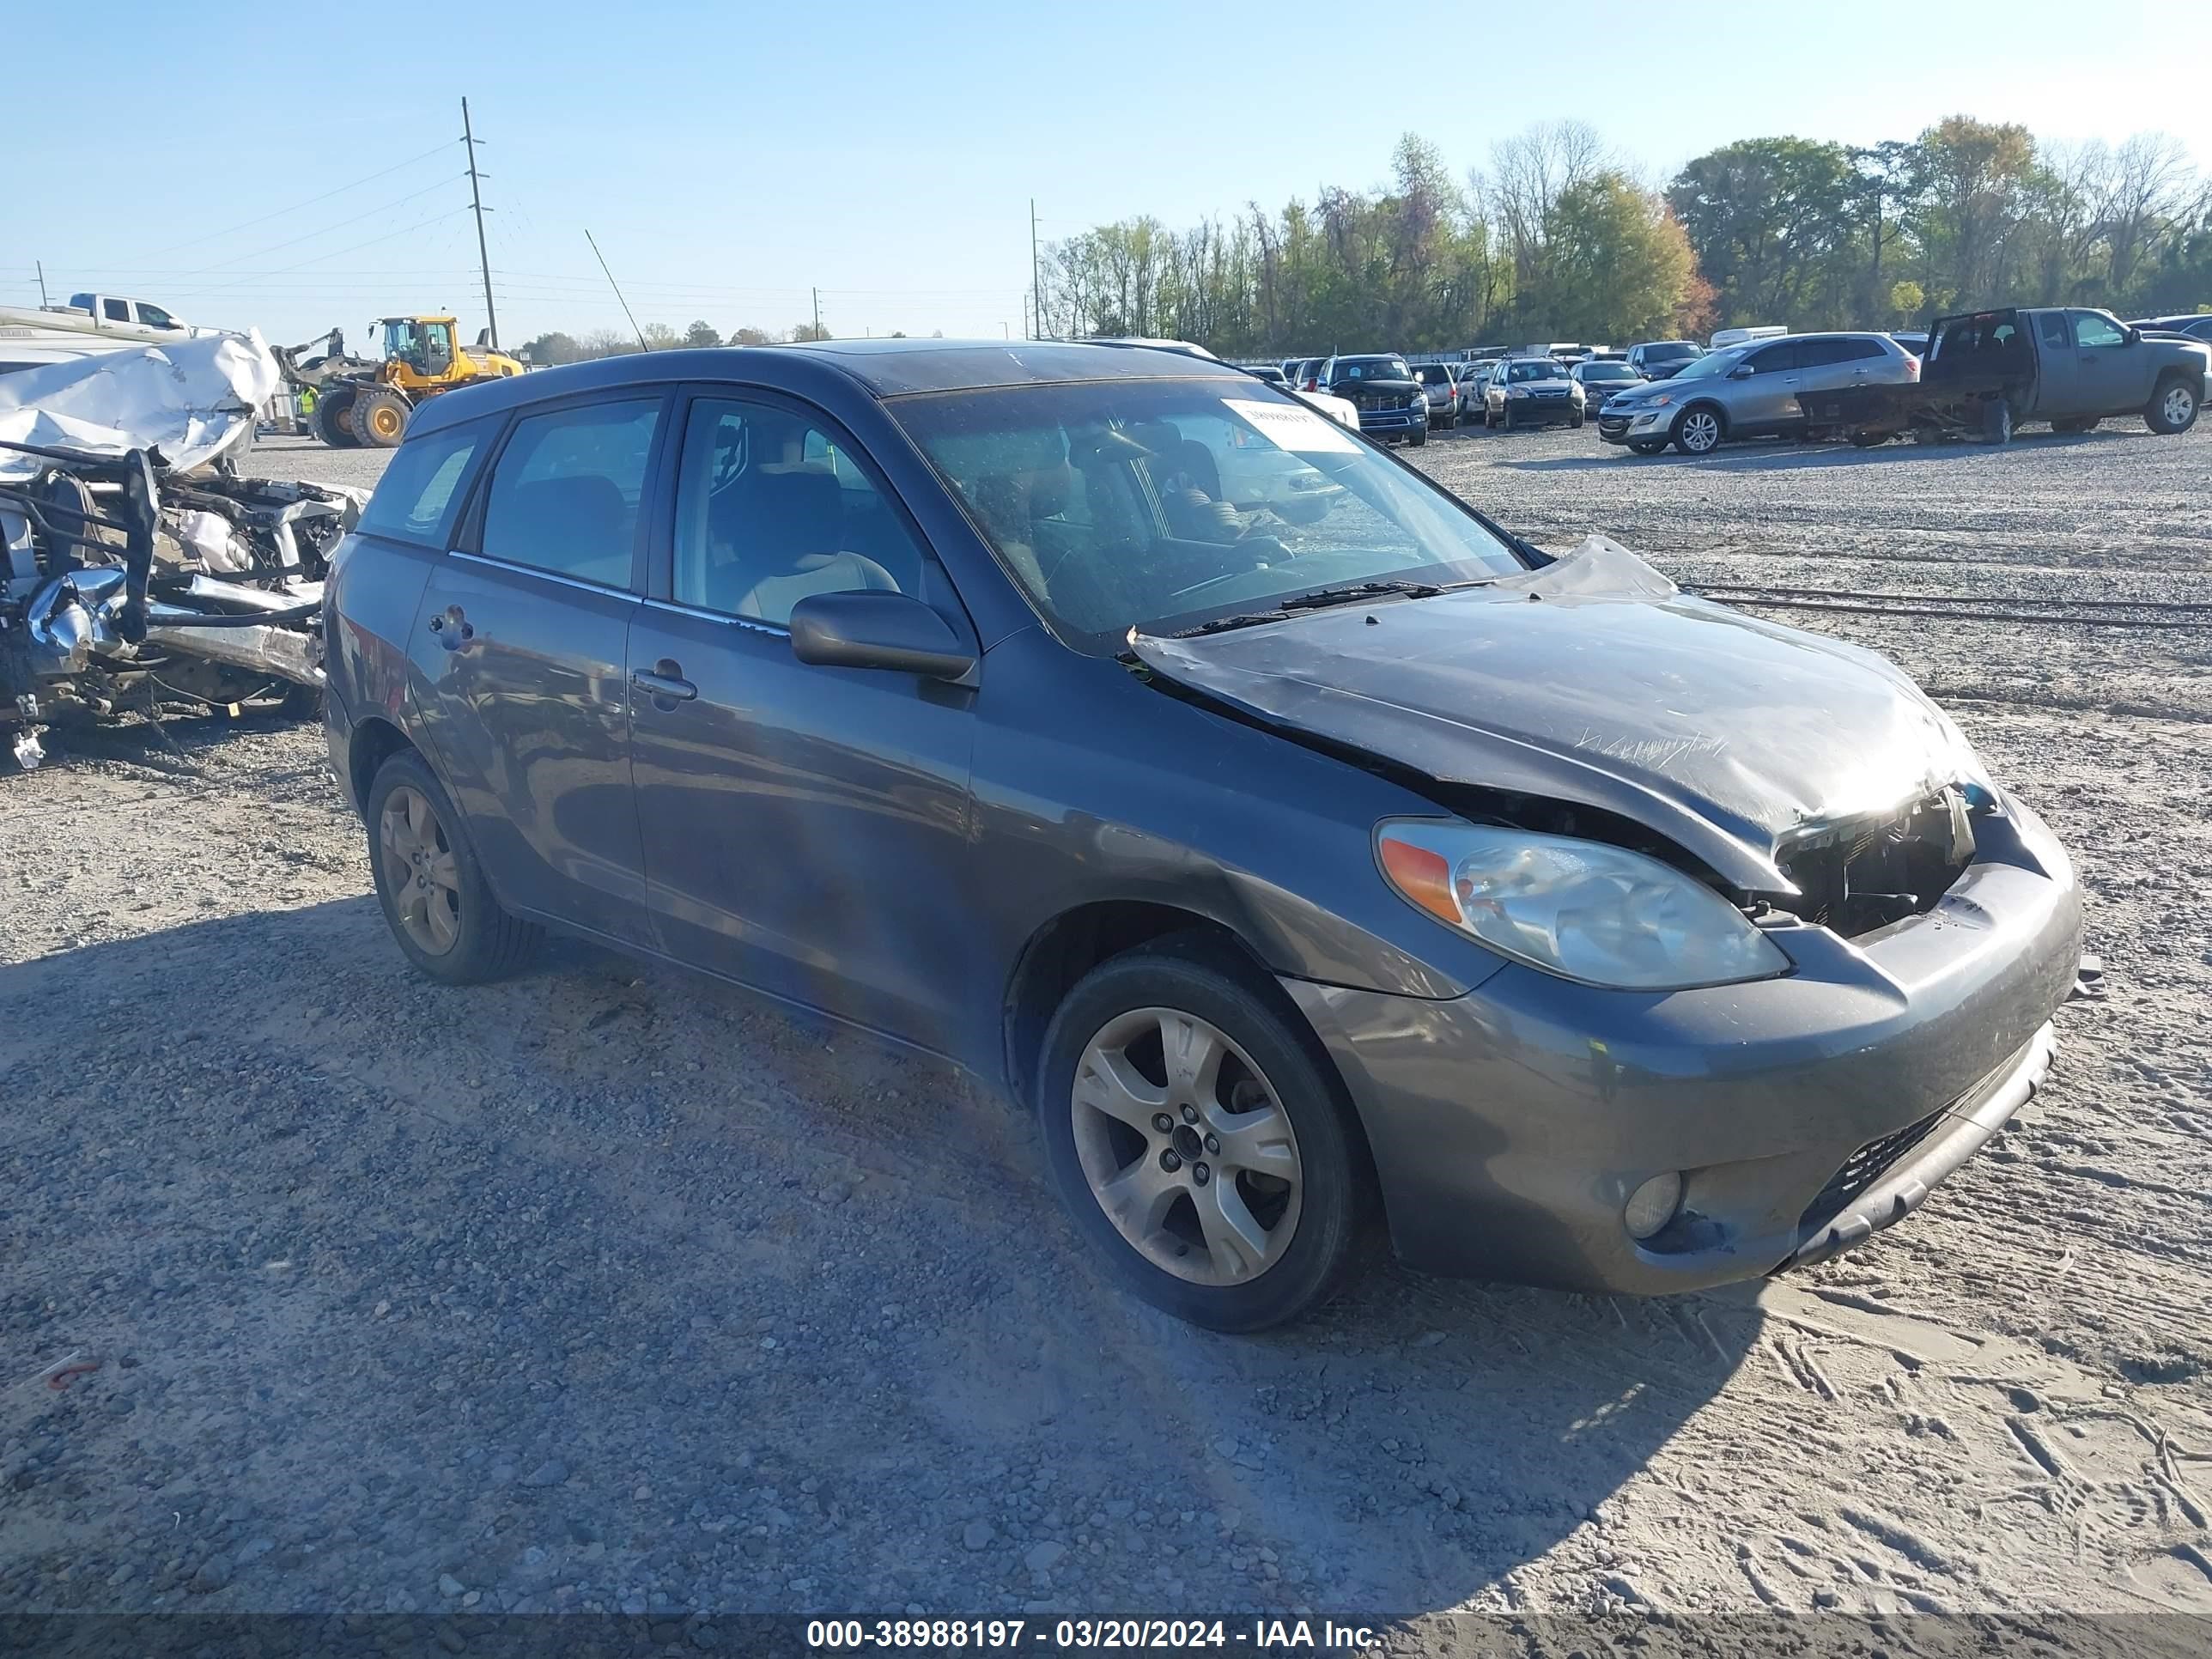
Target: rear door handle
point(665, 683)
point(453, 628)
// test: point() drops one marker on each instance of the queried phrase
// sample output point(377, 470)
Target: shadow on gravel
point(605, 1288)
point(1794, 458)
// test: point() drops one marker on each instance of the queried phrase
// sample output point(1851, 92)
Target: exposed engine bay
point(124, 582)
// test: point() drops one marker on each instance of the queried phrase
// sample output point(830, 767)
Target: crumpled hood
point(1595, 681)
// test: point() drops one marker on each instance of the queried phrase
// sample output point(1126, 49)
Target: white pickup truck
point(89, 324)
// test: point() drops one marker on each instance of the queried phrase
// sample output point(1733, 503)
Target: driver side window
point(771, 508)
point(2092, 330)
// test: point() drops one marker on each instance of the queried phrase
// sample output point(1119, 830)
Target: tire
point(1289, 1239)
point(1416, 438)
point(380, 418)
point(1506, 418)
point(1647, 447)
point(1576, 421)
point(1698, 430)
point(2079, 424)
point(331, 422)
point(1997, 421)
point(448, 926)
point(1867, 439)
point(2173, 407)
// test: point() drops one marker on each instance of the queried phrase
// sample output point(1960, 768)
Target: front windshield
point(1372, 368)
point(1672, 353)
point(1717, 362)
point(1165, 504)
point(1607, 372)
point(1536, 371)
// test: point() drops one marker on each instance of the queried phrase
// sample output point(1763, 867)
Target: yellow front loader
point(359, 401)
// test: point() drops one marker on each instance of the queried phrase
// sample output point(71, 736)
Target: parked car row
point(1763, 380)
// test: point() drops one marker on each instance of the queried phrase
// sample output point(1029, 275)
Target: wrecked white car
point(131, 570)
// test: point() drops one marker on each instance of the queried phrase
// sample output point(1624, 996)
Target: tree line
point(1557, 239)
point(550, 349)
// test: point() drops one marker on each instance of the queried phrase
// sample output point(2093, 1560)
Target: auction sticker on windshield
point(1293, 427)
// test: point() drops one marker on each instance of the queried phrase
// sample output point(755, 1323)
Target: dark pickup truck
point(1986, 372)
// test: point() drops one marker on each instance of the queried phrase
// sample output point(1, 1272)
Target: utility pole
point(475, 195)
point(1037, 282)
point(41, 264)
point(818, 314)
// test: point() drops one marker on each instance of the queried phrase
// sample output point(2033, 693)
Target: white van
point(1736, 336)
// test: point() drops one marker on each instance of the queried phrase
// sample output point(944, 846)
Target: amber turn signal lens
point(1422, 876)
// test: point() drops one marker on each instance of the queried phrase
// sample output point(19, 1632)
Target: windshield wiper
point(1320, 598)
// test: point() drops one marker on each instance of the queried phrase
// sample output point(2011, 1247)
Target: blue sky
point(731, 157)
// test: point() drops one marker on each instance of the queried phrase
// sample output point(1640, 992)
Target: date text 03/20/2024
point(1262, 1636)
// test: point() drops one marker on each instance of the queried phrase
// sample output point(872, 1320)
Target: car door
point(522, 644)
point(1764, 400)
point(2113, 375)
point(805, 827)
point(2059, 393)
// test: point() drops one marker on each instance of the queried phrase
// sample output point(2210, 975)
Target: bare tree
point(2150, 174)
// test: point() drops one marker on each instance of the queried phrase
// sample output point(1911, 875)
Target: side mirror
point(1741, 372)
point(2131, 336)
point(877, 629)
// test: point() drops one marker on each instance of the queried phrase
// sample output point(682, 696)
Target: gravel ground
point(605, 1289)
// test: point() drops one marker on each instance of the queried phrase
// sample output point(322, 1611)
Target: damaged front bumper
point(1510, 1126)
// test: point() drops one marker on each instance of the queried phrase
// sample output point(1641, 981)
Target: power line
point(214, 235)
point(419, 224)
point(224, 264)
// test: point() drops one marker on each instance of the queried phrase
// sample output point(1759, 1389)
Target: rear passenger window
point(564, 493)
point(421, 490)
point(2052, 327)
point(770, 509)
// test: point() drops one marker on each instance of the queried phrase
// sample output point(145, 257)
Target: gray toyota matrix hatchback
point(1306, 850)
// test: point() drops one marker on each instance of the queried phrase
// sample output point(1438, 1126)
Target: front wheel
point(1997, 421)
point(1416, 438)
point(1646, 445)
point(433, 891)
point(1576, 421)
point(1199, 1138)
point(1698, 431)
point(2173, 407)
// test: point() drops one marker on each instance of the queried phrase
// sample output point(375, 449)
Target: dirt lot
point(605, 1289)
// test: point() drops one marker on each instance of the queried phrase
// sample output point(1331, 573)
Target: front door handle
point(665, 683)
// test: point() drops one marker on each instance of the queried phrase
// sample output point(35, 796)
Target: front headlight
point(1579, 908)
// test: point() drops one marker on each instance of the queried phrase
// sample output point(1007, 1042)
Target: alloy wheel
point(1700, 431)
point(1186, 1147)
point(420, 873)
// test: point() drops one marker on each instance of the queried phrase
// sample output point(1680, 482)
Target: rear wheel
point(1199, 1138)
point(380, 418)
point(433, 891)
point(2173, 407)
point(1698, 430)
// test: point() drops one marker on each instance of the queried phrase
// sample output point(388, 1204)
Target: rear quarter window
point(420, 490)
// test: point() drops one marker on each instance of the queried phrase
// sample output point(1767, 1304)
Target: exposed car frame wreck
point(118, 578)
point(135, 558)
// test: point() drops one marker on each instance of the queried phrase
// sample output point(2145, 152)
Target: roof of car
point(882, 369)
